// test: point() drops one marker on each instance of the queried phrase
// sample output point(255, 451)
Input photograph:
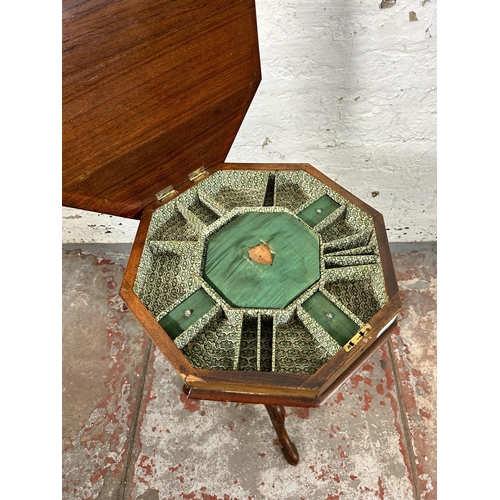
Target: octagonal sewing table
point(261, 283)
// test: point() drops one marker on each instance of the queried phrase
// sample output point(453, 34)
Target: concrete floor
point(129, 432)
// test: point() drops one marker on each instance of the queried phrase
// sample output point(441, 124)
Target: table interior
point(298, 337)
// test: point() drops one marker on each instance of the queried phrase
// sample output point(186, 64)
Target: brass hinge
point(196, 174)
point(165, 193)
point(359, 335)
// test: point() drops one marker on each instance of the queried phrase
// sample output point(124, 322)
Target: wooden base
point(277, 414)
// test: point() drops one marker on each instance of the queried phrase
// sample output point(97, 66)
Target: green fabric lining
point(175, 322)
point(287, 336)
point(339, 326)
point(319, 210)
point(243, 282)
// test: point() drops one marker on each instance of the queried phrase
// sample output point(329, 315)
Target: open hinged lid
point(152, 91)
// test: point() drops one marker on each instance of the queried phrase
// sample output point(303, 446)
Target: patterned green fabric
point(359, 288)
point(331, 318)
point(290, 338)
point(216, 345)
point(185, 315)
point(245, 283)
point(297, 351)
point(317, 211)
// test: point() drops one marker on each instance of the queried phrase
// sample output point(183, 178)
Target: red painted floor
point(129, 432)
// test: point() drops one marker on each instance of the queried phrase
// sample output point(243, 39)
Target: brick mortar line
point(405, 424)
point(135, 420)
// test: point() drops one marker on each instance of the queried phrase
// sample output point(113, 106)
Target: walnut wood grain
point(224, 394)
point(314, 391)
point(164, 343)
point(152, 91)
point(343, 375)
point(390, 281)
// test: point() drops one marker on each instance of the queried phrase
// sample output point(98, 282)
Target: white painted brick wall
point(349, 88)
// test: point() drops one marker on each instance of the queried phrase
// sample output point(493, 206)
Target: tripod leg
point(277, 414)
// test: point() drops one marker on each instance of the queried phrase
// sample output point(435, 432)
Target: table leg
point(277, 414)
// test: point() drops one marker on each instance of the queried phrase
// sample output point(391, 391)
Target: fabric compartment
point(216, 346)
point(236, 188)
point(198, 207)
point(296, 350)
point(331, 318)
point(360, 289)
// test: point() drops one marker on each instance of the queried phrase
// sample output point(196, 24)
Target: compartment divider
point(193, 201)
point(342, 307)
point(190, 216)
point(248, 360)
point(216, 343)
point(258, 354)
point(266, 342)
point(211, 202)
point(336, 215)
point(364, 250)
point(169, 223)
point(203, 211)
point(333, 261)
point(359, 288)
point(233, 189)
point(165, 276)
point(295, 348)
point(183, 321)
point(289, 192)
point(237, 350)
point(355, 272)
point(358, 239)
point(180, 248)
point(329, 319)
point(326, 341)
point(275, 329)
point(269, 198)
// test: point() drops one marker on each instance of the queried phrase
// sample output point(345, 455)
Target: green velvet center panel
point(243, 282)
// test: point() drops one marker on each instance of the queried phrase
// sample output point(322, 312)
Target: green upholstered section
point(331, 318)
point(250, 316)
point(187, 313)
point(319, 210)
point(241, 281)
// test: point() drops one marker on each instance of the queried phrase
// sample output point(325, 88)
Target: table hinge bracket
point(361, 333)
point(199, 172)
point(169, 191)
